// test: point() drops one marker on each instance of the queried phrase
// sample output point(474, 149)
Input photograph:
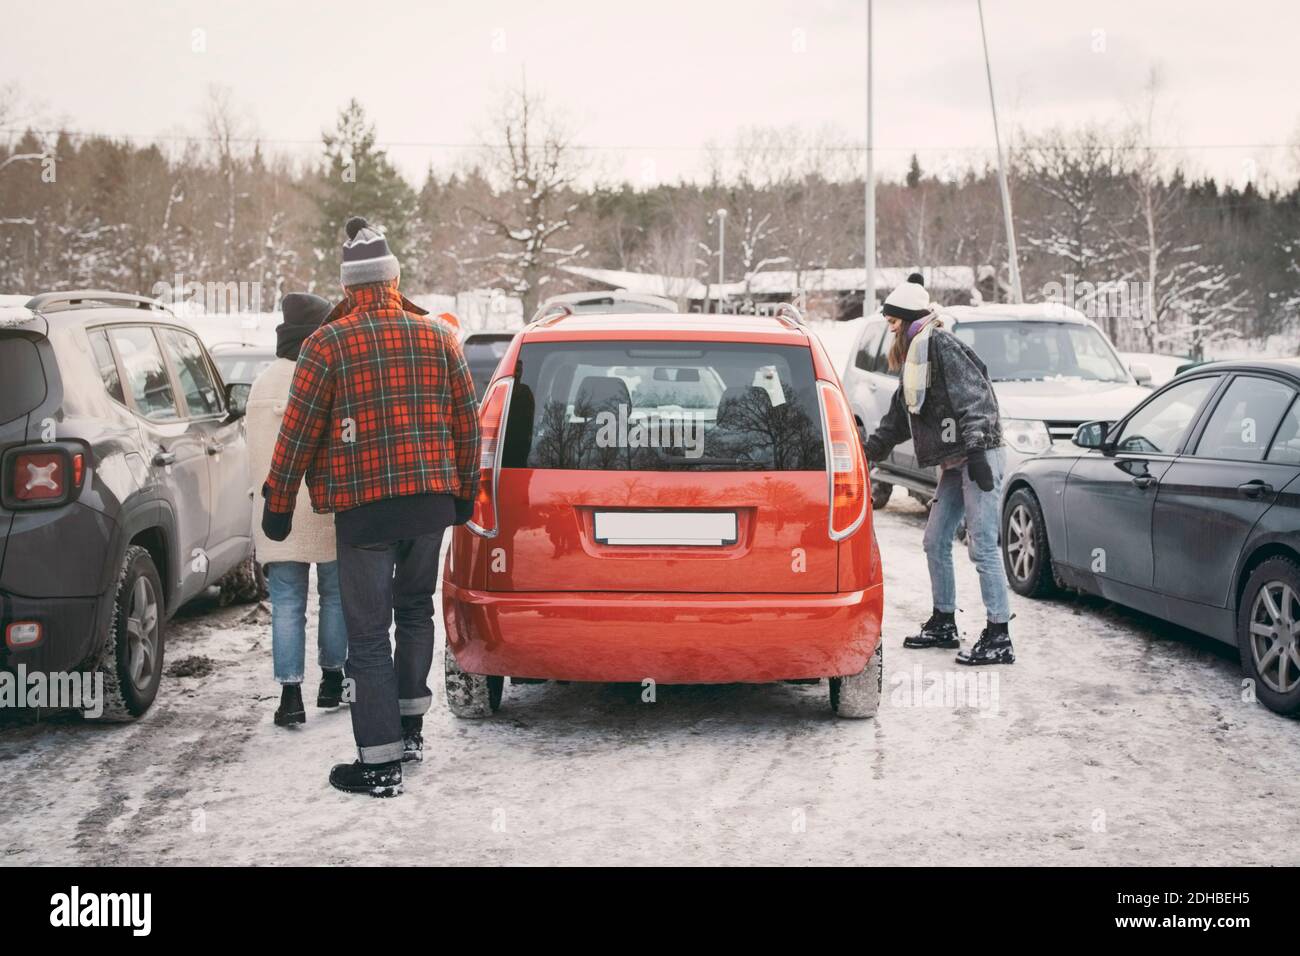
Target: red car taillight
point(844, 464)
point(491, 422)
point(43, 475)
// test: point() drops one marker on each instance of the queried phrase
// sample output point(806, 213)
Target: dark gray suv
point(124, 487)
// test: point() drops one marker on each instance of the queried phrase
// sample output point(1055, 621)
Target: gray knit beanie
point(366, 257)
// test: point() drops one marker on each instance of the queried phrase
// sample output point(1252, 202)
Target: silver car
point(1051, 367)
point(617, 301)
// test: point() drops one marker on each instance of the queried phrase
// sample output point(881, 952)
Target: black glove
point(977, 467)
point(874, 449)
point(275, 525)
point(464, 510)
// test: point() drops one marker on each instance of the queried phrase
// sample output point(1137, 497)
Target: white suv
point(1051, 367)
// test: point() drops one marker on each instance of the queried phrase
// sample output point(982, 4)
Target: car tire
point(880, 492)
point(245, 583)
point(470, 696)
point(858, 695)
point(1026, 555)
point(131, 659)
point(1277, 681)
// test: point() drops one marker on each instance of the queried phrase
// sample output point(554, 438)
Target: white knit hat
point(909, 301)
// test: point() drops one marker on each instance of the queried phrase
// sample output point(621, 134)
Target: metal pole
point(869, 290)
point(722, 251)
point(1016, 293)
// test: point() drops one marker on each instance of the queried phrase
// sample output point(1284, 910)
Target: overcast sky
point(648, 84)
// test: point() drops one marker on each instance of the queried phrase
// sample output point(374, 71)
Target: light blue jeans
point(957, 495)
point(287, 581)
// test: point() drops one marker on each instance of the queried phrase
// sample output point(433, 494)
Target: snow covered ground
point(1114, 739)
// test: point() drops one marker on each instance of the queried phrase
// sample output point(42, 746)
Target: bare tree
point(11, 114)
point(536, 166)
point(1078, 178)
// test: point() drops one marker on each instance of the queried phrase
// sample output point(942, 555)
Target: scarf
point(916, 367)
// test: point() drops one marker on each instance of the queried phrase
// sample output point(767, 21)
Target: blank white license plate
point(700, 528)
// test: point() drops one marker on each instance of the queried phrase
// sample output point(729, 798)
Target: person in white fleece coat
point(287, 563)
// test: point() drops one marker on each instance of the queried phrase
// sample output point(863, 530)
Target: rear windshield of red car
point(664, 406)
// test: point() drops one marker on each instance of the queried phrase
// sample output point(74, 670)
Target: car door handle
point(1255, 488)
point(1144, 481)
point(164, 458)
point(215, 448)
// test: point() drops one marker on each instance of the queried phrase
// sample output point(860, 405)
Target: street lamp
point(1016, 294)
point(722, 251)
point(869, 284)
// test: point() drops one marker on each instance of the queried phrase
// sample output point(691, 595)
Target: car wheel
point(880, 492)
point(1267, 621)
point(858, 695)
point(243, 584)
point(1025, 553)
point(132, 657)
point(470, 695)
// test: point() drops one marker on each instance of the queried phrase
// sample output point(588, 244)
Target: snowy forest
point(1102, 206)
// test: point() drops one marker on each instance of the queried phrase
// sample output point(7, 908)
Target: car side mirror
point(1141, 373)
point(237, 399)
point(1092, 434)
point(863, 360)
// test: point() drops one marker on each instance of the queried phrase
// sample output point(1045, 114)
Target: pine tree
point(914, 173)
point(358, 180)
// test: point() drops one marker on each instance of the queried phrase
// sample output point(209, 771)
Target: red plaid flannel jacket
point(382, 405)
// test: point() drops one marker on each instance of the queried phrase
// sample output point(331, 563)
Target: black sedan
point(1188, 508)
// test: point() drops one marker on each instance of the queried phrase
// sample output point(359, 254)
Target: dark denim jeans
point(383, 583)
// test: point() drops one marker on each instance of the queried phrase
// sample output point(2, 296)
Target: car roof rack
point(789, 316)
point(54, 301)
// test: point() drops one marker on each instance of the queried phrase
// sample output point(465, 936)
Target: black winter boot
point(376, 779)
point(291, 710)
point(939, 631)
point(331, 689)
point(993, 647)
point(412, 739)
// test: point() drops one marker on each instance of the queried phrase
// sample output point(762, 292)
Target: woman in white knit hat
point(288, 563)
point(946, 405)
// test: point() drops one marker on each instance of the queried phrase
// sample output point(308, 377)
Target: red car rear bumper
point(670, 638)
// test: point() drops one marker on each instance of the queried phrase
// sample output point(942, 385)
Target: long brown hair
point(898, 348)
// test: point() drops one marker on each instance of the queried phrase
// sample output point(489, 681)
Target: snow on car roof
point(615, 297)
point(1019, 312)
point(12, 316)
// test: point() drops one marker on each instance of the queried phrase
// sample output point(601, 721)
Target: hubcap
point(142, 634)
point(1274, 645)
point(1020, 543)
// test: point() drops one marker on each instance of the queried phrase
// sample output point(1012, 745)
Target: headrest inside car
point(602, 391)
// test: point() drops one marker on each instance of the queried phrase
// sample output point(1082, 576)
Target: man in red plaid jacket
point(382, 420)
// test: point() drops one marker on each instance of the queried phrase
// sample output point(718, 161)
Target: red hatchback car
point(674, 498)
